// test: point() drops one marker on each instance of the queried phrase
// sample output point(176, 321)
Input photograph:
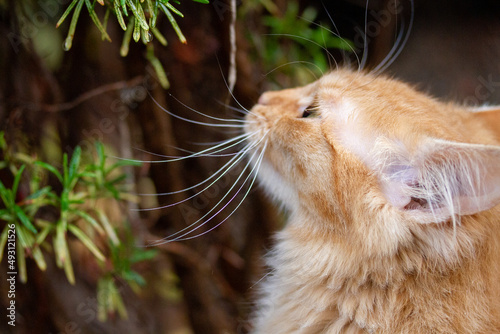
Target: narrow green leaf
point(106, 19)
point(119, 16)
point(134, 277)
point(99, 147)
point(39, 259)
point(127, 36)
point(128, 197)
point(107, 227)
point(94, 18)
point(89, 219)
point(117, 179)
point(75, 201)
point(68, 268)
point(3, 143)
point(173, 9)
point(24, 158)
point(39, 193)
point(5, 215)
point(104, 298)
point(66, 13)
point(87, 174)
point(24, 219)
point(71, 32)
point(63, 258)
point(123, 163)
point(50, 168)
point(42, 235)
point(140, 10)
point(21, 263)
point(117, 302)
point(44, 223)
point(75, 160)
point(22, 236)
point(3, 240)
point(64, 201)
point(17, 179)
point(124, 7)
point(143, 255)
point(86, 241)
point(146, 36)
point(137, 31)
point(112, 190)
point(6, 195)
point(158, 67)
point(139, 14)
point(174, 24)
point(60, 245)
point(202, 1)
point(159, 36)
point(152, 14)
point(65, 171)
point(155, 15)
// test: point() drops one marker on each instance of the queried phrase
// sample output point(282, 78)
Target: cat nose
point(264, 99)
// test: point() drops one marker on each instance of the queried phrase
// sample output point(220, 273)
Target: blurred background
point(77, 100)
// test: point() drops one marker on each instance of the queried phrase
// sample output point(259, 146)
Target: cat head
point(358, 151)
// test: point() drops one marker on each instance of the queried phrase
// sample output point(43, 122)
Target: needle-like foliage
point(138, 18)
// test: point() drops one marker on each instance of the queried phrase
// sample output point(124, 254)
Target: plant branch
point(53, 108)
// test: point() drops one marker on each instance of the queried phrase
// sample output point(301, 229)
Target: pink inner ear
point(393, 192)
point(442, 179)
point(397, 180)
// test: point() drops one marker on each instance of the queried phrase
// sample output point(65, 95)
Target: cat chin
point(276, 187)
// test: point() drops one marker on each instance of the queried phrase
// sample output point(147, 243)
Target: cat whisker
point(213, 155)
point(297, 62)
point(400, 42)
point(214, 149)
point(208, 143)
point(364, 57)
point(222, 169)
point(234, 161)
point(239, 110)
point(306, 39)
point(222, 149)
point(254, 171)
point(192, 154)
point(196, 122)
point(336, 33)
point(262, 278)
point(205, 115)
point(399, 45)
point(231, 91)
point(177, 236)
point(192, 227)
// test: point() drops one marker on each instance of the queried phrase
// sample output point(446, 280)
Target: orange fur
point(380, 239)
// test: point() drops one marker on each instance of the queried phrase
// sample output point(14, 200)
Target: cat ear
point(489, 117)
point(441, 179)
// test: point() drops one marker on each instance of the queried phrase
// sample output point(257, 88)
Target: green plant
point(138, 18)
point(45, 219)
point(123, 256)
point(294, 38)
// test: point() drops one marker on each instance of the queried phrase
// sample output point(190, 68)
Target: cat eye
point(310, 112)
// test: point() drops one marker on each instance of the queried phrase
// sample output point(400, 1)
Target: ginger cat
point(394, 222)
